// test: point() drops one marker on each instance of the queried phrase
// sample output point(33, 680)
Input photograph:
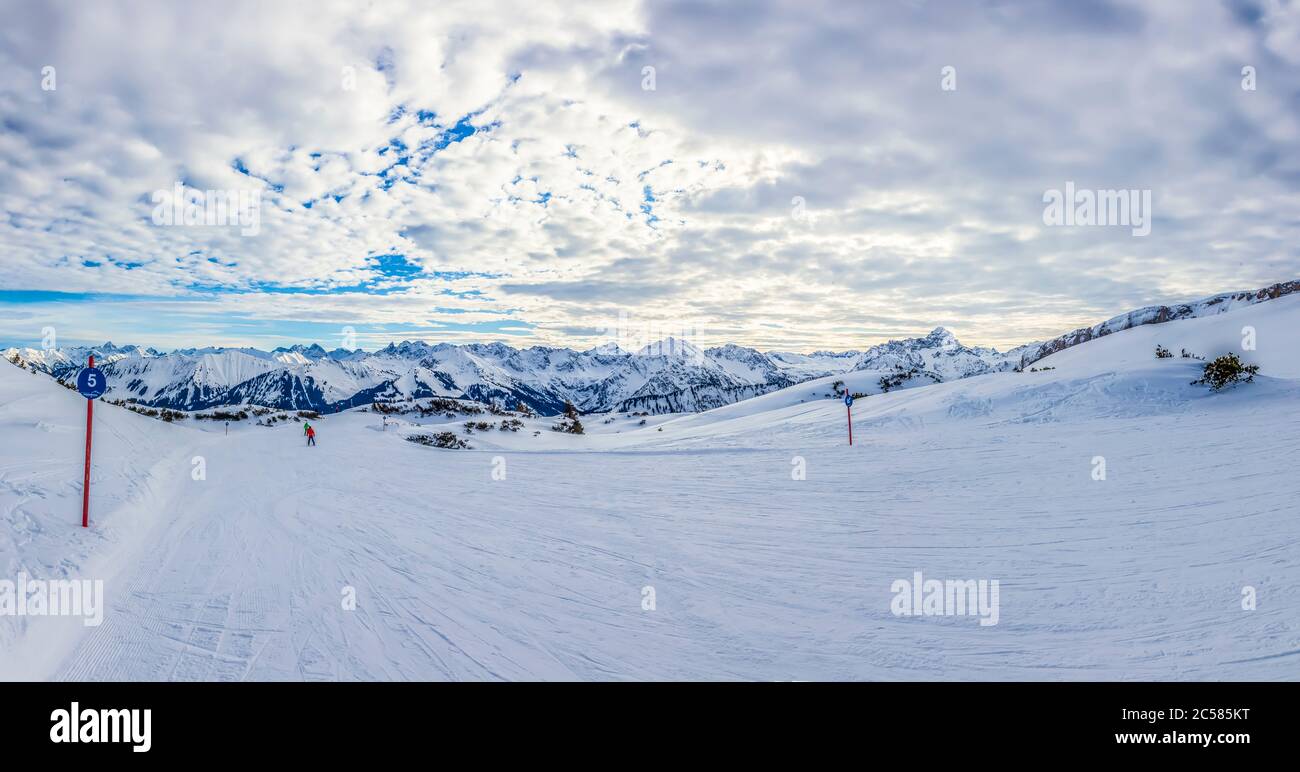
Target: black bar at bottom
point(208, 721)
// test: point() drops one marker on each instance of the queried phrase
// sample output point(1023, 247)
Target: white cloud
point(924, 206)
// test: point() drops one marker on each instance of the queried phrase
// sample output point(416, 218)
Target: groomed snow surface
point(755, 574)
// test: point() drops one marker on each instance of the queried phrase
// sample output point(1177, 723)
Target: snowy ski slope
point(755, 574)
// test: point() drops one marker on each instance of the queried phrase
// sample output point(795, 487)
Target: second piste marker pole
point(848, 405)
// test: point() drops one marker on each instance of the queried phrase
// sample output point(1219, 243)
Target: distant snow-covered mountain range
point(670, 376)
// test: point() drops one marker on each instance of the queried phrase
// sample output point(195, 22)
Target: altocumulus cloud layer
point(785, 175)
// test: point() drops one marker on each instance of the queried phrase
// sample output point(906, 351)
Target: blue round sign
point(91, 382)
point(848, 400)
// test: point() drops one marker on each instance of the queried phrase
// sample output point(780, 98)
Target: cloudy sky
point(788, 175)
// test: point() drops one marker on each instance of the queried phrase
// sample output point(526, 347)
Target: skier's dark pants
point(311, 440)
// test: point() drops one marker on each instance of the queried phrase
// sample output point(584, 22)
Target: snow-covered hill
point(1215, 304)
point(139, 465)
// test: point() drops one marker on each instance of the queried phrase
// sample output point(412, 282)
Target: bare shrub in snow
point(447, 440)
point(1226, 370)
point(569, 424)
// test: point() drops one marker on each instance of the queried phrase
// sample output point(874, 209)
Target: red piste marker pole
point(848, 405)
point(85, 486)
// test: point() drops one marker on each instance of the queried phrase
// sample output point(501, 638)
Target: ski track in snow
point(756, 575)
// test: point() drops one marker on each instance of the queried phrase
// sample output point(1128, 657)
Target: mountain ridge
point(668, 376)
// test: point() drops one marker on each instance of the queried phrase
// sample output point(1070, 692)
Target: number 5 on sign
point(91, 382)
